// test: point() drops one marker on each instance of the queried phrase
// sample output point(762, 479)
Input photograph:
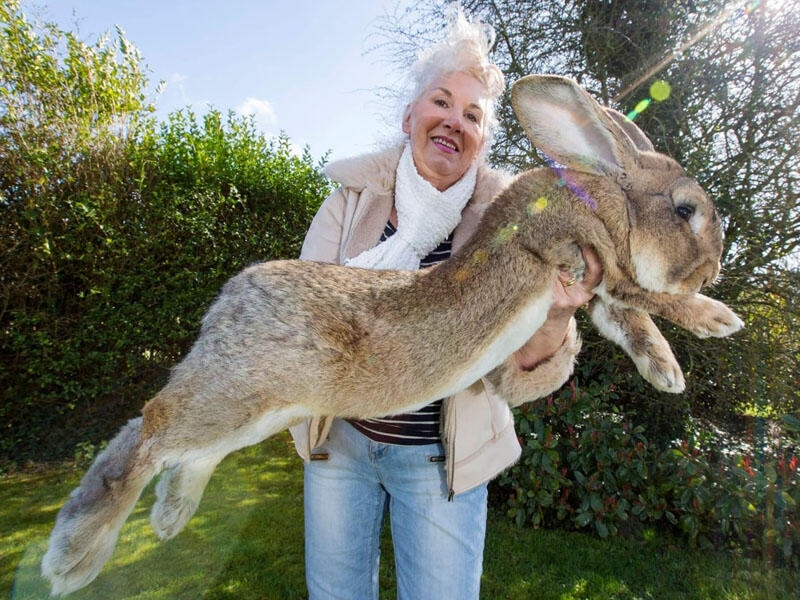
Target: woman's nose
point(454, 121)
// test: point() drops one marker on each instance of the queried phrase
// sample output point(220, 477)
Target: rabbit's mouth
point(657, 273)
point(700, 276)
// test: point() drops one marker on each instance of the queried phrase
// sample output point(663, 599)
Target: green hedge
point(114, 267)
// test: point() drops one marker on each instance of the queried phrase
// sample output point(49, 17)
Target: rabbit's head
point(666, 230)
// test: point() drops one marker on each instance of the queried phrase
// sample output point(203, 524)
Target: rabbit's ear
point(563, 121)
point(637, 136)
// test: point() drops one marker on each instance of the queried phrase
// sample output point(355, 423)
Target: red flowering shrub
point(585, 464)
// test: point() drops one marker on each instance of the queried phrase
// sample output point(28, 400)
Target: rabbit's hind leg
point(181, 486)
point(88, 525)
point(178, 495)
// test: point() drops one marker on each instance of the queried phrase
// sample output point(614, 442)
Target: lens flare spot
point(480, 256)
point(505, 234)
point(537, 206)
point(660, 90)
point(751, 6)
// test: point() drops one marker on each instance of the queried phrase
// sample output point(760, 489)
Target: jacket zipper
point(450, 441)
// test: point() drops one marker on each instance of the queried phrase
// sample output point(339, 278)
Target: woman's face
point(445, 125)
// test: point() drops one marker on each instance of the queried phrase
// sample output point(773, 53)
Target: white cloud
point(262, 112)
point(176, 82)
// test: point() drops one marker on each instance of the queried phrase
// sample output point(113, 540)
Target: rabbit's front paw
point(659, 367)
point(712, 318)
point(638, 336)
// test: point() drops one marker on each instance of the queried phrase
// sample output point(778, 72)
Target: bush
point(587, 465)
point(131, 272)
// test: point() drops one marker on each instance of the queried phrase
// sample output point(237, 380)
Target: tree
point(66, 108)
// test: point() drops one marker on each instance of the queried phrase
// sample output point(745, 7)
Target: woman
point(406, 208)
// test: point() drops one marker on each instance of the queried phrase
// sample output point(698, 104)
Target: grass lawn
point(246, 542)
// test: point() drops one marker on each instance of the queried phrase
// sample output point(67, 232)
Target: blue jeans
point(438, 544)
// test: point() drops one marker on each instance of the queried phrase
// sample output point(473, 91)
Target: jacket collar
point(375, 172)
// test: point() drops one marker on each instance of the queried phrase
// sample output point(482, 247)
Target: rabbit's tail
point(88, 525)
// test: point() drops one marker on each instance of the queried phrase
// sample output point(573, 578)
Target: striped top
point(422, 426)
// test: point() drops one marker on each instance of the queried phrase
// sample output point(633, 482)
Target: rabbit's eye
point(685, 211)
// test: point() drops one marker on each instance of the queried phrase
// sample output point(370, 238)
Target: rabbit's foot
point(178, 495)
point(706, 317)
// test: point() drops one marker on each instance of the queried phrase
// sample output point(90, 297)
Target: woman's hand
point(568, 294)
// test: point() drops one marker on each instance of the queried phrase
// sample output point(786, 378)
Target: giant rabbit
point(289, 340)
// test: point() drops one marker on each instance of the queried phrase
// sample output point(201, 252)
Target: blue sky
point(301, 66)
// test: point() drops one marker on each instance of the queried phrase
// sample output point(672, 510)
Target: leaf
point(770, 473)
point(582, 519)
point(791, 423)
point(602, 529)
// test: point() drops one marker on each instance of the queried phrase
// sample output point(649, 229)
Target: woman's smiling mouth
point(445, 143)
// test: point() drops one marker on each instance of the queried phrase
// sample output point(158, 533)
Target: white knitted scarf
point(425, 217)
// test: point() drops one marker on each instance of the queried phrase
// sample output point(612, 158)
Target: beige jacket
point(477, 424)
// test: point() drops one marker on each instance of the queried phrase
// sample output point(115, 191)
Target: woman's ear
point(485, 145)
point(407, 120)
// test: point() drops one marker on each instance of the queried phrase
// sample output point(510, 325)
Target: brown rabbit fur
point(288, 340)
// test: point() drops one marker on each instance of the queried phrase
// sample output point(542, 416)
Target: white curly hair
point(466, 49)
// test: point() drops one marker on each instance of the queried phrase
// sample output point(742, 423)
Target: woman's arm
point(324, 237)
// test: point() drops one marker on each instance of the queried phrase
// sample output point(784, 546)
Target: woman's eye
point(473, 117)
point(440, 102)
